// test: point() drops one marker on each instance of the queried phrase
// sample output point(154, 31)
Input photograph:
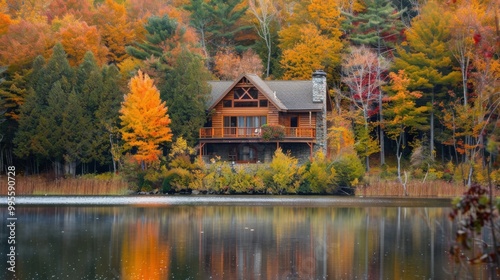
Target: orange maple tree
point(116, 31)
point(78, 37)
point(5, 21)
point(144, 120)
point(23, 42)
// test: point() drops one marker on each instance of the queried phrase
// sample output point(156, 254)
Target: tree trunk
point(268, 56)
point(431, 140)
point(366, 149)
point(70, 168)
point(58, 169)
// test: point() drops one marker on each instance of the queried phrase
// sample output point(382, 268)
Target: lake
point(232, 237)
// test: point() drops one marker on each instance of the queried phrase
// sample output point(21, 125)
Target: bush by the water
point(283, 175)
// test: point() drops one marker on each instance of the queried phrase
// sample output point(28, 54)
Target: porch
point(253, 132)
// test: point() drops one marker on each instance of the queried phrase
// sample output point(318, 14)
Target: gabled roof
point(285, 95)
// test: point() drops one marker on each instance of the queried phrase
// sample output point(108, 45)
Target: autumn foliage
point(144, 120)
point(229, 65)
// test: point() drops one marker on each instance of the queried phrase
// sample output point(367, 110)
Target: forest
point(415, 83)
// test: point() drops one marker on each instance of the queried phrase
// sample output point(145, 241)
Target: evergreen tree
point(40, 123)
point(107, 114)
point(186, 91)
point(76, 130)
point(379, 26)
point(88, 89)
point(56, 69)
point(219, 22)
point(160, 30)
point(13, 92)
point(226, 23)
point(426, 59)
point(200, 19)
point(98, 92)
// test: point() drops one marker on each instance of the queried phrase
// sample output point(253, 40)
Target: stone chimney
point(319, 86)
point(319, 96)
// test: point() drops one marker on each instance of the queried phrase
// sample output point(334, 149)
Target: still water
point(231, 238)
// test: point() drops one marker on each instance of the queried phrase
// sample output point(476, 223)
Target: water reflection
point(145, 255)
point(233, 242)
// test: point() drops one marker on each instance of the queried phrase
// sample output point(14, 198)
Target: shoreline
point(228, 200)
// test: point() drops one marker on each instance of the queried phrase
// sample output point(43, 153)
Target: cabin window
point(245, 97)
point(246, 104)
point(245, 93)
point(294, 121)
point(254, 93)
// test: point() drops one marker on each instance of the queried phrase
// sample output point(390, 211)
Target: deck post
point(310, 144)
point(201, 150)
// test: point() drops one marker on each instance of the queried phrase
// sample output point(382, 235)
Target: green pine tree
point(159, 29)
point(379, 26)
point(200, 19)
point(185, 90)
point(106, 115)
point(226, 24)
point(218, 23)
point(39, 136)
point(427, 61)
point(76, 130)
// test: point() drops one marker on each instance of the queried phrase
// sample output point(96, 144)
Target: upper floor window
point(245, 97)
point(245, 93)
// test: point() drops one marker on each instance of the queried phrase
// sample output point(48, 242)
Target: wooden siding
point(303, 119)
point(306, 122)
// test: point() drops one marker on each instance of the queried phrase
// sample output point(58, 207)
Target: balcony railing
point(253, 132)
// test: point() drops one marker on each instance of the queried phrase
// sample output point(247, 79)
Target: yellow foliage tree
point(144, 120)
point(311, 38)
point(312, 51)
point(341, 133)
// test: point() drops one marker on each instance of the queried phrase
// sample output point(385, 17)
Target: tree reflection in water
point(236, 242)
point(144, 254)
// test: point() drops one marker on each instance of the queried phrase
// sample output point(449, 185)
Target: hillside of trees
point(415, 83)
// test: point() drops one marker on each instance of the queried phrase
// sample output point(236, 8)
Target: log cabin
point(250, 118)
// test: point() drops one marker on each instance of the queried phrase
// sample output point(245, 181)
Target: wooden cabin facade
point(250, 118)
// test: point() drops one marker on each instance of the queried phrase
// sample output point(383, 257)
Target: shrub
point(219, 176)
point(241, 182)
point(318, 176)
point(348, 170)
point(132, 173)
point(177, 179)
point(285, 175)
point(272, 132)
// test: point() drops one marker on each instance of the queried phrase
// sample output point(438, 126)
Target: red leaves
point(477, 38)
point(474, 211)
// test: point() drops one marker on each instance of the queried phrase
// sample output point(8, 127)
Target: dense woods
point(415, 83)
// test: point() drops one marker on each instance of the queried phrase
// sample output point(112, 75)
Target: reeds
point(39, 185)
point(435, 188)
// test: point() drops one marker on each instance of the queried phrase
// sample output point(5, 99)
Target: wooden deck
point(253, 132)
